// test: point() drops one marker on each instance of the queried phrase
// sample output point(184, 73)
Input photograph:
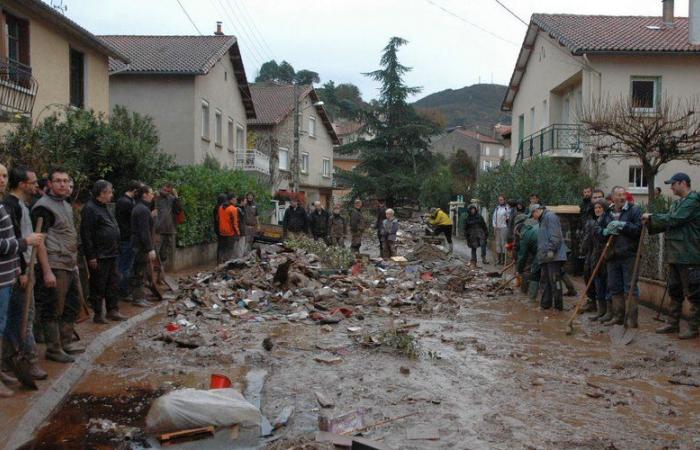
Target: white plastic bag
point(193, 408)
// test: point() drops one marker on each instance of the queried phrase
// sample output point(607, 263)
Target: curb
point(54, 395)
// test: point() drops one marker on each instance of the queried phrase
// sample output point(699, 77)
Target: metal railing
point(562, 139)
point(18, 88)
point(252, 160)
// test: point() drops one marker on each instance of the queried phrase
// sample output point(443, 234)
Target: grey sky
point(342, 39)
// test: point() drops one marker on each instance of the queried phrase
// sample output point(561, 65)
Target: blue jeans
point(125, 263)
point(5, 297)
point(14, 321)
point(619, 274)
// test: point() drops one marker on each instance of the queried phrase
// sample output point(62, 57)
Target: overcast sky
point(341, 39)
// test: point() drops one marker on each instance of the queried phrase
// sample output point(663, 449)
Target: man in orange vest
point(228, 228)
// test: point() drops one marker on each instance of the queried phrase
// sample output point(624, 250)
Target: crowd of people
point(611, 228)
point(236, 224)
point(42, 226)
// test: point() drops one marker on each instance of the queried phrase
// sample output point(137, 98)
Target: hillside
point(469, 106)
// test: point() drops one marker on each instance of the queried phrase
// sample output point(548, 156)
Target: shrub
point(436, 190)
point(198, 187)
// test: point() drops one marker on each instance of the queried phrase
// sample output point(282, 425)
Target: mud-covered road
point(494, 372)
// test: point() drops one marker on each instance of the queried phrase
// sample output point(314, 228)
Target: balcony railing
point(18, 89)
point(252, 161)
point(561, 140)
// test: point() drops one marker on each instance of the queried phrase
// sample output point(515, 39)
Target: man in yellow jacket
point(441, 223)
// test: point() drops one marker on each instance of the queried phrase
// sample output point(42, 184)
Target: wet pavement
point(493, 372)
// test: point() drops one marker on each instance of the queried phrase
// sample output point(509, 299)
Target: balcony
point(18, 90)
point(559, 140)
point(252, 161)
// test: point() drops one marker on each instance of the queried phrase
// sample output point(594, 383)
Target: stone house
point(273, 134)
point(485, 150)
point(567, 63)
point(196, 91)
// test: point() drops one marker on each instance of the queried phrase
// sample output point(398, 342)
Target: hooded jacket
point(527, 250)
point(682, 227)
point(440, 219)
point(475, 229)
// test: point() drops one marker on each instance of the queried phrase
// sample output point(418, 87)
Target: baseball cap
point(680, 176)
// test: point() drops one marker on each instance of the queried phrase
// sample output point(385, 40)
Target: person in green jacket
point(682, 227)
point(527, 250)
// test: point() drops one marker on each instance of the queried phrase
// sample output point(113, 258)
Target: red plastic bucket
point(219, 381)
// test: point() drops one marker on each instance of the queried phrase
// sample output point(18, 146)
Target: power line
point(511, 12)
point(458, 17)
point(245, 26)
point(249, 18)
point(242, 30)
point(188, 16)
point(244, 43)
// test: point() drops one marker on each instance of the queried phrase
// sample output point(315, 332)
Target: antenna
point(59, 6)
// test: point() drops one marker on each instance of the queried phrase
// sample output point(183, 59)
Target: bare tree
point(622, 129)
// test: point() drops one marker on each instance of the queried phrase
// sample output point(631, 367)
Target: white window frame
point(230, 129)
point(636, 178)
point(487, 150)
point(501, 152)
point(655, 97)
point(240, 145)
point(486, 164)
point(326, 168)
point(218, 128)
point(312, 126)
point(205, 120)
point(304, 167)
point(283, 150)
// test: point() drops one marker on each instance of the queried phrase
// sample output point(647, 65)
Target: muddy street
point(429, 367)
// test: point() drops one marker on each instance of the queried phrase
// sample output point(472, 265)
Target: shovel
point(582, 298)
point(169, 281)
point(21, 364)
point(499, 274)
point(624, 334)
point(153, 278)
point(504, 284)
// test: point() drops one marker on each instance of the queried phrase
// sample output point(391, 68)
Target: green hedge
point(198, 187)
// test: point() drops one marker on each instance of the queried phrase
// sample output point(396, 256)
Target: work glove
point(614, 228)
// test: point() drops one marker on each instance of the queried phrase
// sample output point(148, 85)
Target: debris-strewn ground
point(420, 351)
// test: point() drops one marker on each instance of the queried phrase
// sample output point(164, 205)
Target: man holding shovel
point(682, 227)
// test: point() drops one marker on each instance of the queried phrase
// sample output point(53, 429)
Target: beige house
point(47, 62)
point(273, 130)
point(195, 89)
point(569, 61)
point(486, 150)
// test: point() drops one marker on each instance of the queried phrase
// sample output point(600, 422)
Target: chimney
point(694, 22)
point(218, 31)
point(668, 13)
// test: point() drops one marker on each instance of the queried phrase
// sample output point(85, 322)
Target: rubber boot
point(693, 322)
point(608, 312)
point(70, 344)
point(54, 351)
point(618, 307)
point(450, 248)
point(601, 311)
point(632, 315)
point(532, 289)
point(590, 306)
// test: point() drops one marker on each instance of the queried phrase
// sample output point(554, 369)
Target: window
point(645, 93)
point(17, 39)
point(501, 152)
point(487, 150)
point(283, 158)
point(312, 126)
point(229, 141)
point(205, 120)
point(217, 128)
point(240, 137)
point(304, 163)
point(486, 165)
point(77, 78)
point(326, 167)
point(636, 177)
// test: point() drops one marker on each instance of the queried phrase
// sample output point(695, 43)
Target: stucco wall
point(168, 100)
point(49, 58)
point(220, 89)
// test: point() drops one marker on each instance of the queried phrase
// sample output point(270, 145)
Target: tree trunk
point(650, 174)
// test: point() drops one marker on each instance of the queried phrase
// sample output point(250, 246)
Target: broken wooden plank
point(186, 433)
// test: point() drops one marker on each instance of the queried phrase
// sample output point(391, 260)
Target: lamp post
point(296, 169)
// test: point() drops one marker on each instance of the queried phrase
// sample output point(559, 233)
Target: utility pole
point(295, 167)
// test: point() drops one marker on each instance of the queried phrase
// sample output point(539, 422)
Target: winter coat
point(381, 215)
point(527, 250)
point(475, 229)
point(123, 209)
point(682, 227)
point(389, 229)
point(594, 241)
point(99, 231)
point(626, 242)
point(338, 226)
point(318, 223)
point(358, 224)
point(142, 228)
point(550, 239)
point(168, 207)
point(295, 220)
point(440, 219)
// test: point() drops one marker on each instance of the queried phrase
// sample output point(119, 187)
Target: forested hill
point(469, 106)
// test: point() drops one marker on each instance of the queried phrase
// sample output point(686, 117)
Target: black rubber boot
point(602, 309)
point(618, 310)
point(70, 344)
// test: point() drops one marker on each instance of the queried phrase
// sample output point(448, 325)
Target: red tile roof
point(613, 34)
point(485, 138)
point(345, 128)
point(274, 102)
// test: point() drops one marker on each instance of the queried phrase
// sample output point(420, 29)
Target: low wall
point(193, 256)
